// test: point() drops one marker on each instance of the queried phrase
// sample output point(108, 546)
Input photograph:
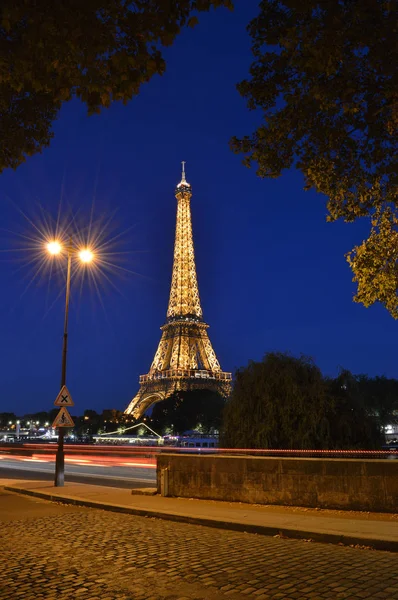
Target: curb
point(144, 491)
point(298, 534)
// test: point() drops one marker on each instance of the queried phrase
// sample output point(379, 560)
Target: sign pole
point(60, 456)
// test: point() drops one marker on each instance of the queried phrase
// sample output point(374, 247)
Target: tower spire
point(184, 294)
point(183, 181)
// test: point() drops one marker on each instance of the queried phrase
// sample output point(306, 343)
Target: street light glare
point(86, 255)
point(54, 247)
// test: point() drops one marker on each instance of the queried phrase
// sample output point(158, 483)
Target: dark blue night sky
point(271, 271)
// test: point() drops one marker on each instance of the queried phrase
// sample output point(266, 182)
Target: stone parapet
point(348, 484)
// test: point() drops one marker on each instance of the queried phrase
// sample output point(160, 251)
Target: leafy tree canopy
point(191, 410)
point(325, 77)
point(285, 402)
point(98, 50)
point(280, 402)
point(352, 422)
point(380, 396)
point(6, 417)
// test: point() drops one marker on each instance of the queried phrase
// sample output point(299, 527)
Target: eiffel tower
point(185, 359)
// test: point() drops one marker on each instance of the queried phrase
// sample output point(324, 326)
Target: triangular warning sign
point(63, 419)
point(64, 398)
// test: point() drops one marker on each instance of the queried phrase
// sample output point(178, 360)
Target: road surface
point(57, 552)
point(96, 470)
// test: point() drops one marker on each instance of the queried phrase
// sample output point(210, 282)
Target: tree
point(325, 78)
point(351, 424)
point(112, 415)
point(186, 410)
point(92, 421)
point(41, 417)
point(6, 417)
point(285, 402)
point(280, 402)
point(380, 396)
point(100, 51)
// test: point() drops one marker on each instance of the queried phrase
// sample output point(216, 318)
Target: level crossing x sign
point(63, 419)
point(64, 398)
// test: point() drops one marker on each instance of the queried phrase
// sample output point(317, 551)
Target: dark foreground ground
point(59, 552)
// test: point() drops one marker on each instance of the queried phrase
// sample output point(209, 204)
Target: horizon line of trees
point(282, 401)
point(286, 402)
point(89, 423)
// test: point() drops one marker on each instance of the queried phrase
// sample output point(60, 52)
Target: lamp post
point(85, 256)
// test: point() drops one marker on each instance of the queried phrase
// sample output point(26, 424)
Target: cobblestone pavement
point(88, 554)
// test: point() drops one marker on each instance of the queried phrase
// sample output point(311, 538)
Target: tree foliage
point(375, 262)
point(325, 77)
point(6, 418)
point(380, 396)
point(189, 410)
point(280, 402)
point(285, 402)
point(98, 50)
point(352, 424)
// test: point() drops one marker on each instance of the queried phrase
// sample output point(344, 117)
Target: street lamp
point(84, 255)
point(54, 248)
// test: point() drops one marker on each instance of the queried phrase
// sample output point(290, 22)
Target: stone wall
point(350, 484)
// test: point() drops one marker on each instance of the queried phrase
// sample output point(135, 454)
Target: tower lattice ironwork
point(185, 358)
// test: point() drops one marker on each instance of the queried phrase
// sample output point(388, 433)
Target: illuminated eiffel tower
point(185, 359)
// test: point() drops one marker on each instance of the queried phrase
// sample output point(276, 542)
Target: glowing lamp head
point(86, 256)
point(54, 247)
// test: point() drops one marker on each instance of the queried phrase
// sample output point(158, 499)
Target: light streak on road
point(116, 471)
point(95, 461)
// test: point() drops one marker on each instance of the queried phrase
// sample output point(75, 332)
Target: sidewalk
point(377, 530)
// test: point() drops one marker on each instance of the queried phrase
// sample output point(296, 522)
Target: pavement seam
point(268, 530)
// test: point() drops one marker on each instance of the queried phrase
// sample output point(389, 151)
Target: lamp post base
point(59, 479)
